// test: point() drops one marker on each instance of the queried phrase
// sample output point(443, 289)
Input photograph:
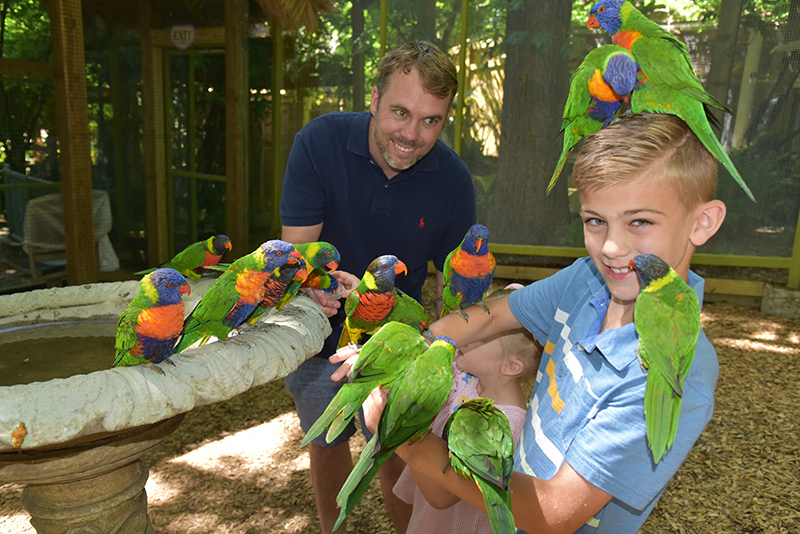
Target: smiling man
point(375, 183)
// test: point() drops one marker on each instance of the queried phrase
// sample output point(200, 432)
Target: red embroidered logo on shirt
point(422, 222)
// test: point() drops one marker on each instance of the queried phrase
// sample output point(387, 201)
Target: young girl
point(494, 368)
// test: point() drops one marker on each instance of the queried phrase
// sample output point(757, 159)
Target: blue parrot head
point(445, 339)
point(277, 253)
point(649, 267)
point(166, 285)
point(606, 14)
point(219, 244)
point(476, 242)
point(385, 269)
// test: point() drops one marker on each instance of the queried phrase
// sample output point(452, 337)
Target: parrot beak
point(400, 267)
point(228, 245)
point(631, 266)
point(332, 265)
point(592, 23)
point(478, 243)
point(296, 254)
point(185, 288)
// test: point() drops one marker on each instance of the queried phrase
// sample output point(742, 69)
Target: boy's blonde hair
point(659, 147)
point(519, 343)
point(435, 68)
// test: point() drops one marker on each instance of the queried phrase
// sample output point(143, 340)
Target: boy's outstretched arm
point(560, 505)
point(481, 324)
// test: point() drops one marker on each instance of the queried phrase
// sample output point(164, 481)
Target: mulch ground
point(237, 467)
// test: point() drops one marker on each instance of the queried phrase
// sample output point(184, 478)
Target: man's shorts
point(312, 389)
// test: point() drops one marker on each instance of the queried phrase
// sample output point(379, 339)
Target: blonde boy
point(646, 185)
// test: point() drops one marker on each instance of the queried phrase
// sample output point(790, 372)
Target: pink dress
point(461, 518)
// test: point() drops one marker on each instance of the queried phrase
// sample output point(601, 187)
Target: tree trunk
point(535, 89)
point(724, 54)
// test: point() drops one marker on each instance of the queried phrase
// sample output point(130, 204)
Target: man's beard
point(383, 147)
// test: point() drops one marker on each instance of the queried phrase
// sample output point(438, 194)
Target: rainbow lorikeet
point(410, 408)
point(660, 98)
point(148, 328)
point(275, 286)
point(191, 261)
point(667, 319)
point(603, 80)
point(408, 311)
point(468, 272)
point(369, 304)
point(481, 449)
point(320, 257)
point(664, 61)
point(383, 358)
point(235, 294)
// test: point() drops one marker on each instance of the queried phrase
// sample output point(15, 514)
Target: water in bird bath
point(42, 352)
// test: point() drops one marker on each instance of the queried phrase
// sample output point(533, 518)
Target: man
point(375, 183)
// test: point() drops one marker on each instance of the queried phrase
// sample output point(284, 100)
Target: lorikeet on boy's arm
point(481, 448)
point(369, 304)
point(667, 319)
point(191, 261)
point(235, 294)
point(410, 408)
point(383, 358)
point(468, 271)
point(603, 80)
point(149, 326)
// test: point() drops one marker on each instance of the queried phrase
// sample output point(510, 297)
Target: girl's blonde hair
point(519, 343)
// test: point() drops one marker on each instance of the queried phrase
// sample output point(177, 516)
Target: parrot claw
point(483, 305)
point(463, 314)
point(642, 363)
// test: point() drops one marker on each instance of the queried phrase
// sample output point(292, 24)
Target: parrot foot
point(463, 314)
point(483, 305)
point(642, 363)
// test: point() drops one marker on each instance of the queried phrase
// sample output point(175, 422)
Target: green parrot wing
point(126, 336)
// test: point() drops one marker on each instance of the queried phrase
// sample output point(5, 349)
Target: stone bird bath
point(78, 455)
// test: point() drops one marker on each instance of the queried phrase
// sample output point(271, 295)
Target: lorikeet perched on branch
point(148, 328)
point(191, 261)
point(320, 257)
point(667, 319)
point(235, 294)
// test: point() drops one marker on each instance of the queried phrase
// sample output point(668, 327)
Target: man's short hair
point(435, 68)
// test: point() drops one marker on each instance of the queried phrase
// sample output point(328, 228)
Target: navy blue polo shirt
point(420, 214)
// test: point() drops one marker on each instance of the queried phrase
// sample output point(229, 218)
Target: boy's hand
point(373, 407)
point(347, 357)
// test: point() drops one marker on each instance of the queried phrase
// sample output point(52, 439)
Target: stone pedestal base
point(95, 486)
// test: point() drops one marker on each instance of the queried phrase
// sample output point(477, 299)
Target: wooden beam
point(72, 119)
point(26, 69)
point(237, 128)
point(154, 144)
